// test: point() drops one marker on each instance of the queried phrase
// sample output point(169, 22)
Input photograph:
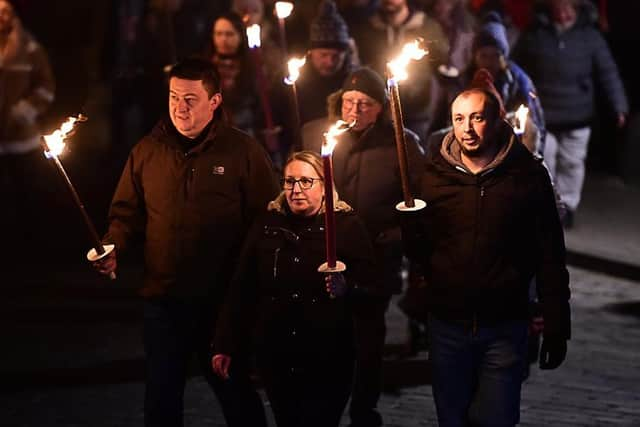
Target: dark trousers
point(173, 332)
point(309, 397)
point(370, 331)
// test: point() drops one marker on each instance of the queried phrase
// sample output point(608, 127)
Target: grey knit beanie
point(328, 28)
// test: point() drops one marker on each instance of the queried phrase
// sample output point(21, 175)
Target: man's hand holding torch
point(105, 263)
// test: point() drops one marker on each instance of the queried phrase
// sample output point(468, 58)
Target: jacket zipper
point(275, 262)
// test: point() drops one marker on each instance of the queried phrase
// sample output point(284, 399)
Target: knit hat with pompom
point(328, 29)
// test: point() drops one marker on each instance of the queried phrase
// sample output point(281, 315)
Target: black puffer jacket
point(482, 238)
point(193, 206)
point(568, 67)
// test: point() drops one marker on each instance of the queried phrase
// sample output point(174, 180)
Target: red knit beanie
point(483, 80)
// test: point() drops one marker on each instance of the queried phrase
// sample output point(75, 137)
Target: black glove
point(336, 285)
point(552, 352)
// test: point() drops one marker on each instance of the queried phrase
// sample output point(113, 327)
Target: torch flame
point(330, 141)
point(283, 9)
point(55, 141)
point(253, 36)
point(521, 119)
point(294, 66)
point(398, 66)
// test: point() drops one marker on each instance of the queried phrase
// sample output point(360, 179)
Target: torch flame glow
point(330, 141)
point(398, 66)
point(283, 9)
point(253, 36)
point(55, 141)
point(294, 66)
point(521, 119)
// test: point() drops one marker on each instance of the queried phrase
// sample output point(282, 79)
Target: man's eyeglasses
point(362, 105)
point(304, 182)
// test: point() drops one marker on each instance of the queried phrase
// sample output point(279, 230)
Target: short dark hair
point(492, 106)
point(197, 68)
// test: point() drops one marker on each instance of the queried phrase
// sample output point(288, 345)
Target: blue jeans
point(173, 332)
point(477, 374)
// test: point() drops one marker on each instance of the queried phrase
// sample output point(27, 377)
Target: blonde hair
point(314, 160)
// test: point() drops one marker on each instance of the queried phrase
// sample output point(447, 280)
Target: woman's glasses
point(304, 182)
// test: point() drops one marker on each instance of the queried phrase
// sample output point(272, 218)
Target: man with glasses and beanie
point(367, 176)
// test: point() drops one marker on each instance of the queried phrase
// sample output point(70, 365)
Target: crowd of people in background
point(511, 39)
point(231, 257)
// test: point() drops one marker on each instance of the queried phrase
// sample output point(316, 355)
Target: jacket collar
point(166, 133)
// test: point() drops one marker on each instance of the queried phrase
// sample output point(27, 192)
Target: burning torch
point(254, 41)
point(283, 9)
point(396, 71)
point(332, 265)
point(53, 145)
point(520, 119)
point(294, 66)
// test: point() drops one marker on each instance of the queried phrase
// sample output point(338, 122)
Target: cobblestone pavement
point(72, 357)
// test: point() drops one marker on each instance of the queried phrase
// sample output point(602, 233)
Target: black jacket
point(277, 301)
point(193, 207)
point(570, 69)
point(482, 238)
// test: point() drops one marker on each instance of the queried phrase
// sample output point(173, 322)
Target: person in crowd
point(381, 38)
point(303, 319)
point(27, 89)
point(490, 50)
point(191, 189)
point(516, 15)
point(330, 58)
point(367, 175)
point(490, 226)
point(458, 24)
point(229, 52)
point(190, 22)
point(568, 59)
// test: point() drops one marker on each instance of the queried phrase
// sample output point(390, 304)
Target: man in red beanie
point(490, 226)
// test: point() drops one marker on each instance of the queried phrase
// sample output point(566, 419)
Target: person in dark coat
point(381, 38)
point(190, 189)
point(27, 90)
point(569, 60)
point(229, 52)
point(490, 226)
point(329, 60)
point(367, 175)
point(302, 320)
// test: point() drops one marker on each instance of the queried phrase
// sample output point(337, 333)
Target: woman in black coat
point(298, 320)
